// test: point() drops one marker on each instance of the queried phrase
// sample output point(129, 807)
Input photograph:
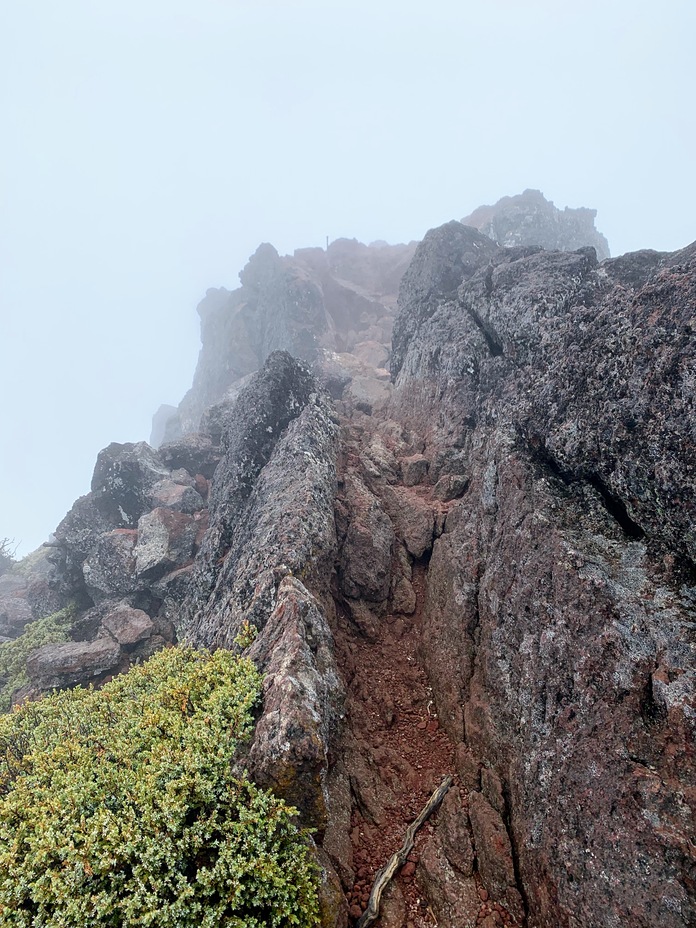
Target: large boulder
point(58, 666)
point(196, 453)
point(128, 626)
point(124, 476)
point(15, 614)
point(165, 543)
point(110, 570)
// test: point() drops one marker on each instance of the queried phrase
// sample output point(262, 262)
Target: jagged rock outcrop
point(271, 504)
point(530, 219)
point(316, 304)
point(117, 557)
point(265, 562)
point(561, 593)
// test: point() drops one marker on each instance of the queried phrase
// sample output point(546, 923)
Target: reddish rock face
point(128, 626)
point(560, 591)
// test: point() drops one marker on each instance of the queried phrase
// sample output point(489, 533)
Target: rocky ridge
point(485, 568)
point(530, 219)
point(333, 308)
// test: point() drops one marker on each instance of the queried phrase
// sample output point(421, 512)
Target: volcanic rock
point(454, 898)
point(128, 626)
point(302, 701)
point(165, 542)
point(271, 504)
point(494, 853)
point(170, 494)
point(367, 540)
point(15, 613)
point(558, 595)
point(110, 569)
point(530, 219)
point(57, 666)
point(196, 453)
point(123, 479)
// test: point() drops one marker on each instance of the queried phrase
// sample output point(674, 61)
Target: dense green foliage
point(121, 807)
point(13, 654)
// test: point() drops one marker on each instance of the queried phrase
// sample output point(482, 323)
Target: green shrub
point(121, 807)
point(13, 654)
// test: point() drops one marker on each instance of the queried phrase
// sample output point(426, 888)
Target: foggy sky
point(148, 147)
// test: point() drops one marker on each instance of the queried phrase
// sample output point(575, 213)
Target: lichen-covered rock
point(302, 701)
point(15, 613)
point(271, 505)
point(75, 539)
point(110, 570)
point(195, 452)
point(123, 478)
point(58, 666)
point(413, 517)
point(445, 257)
point(165, 543)
point(266, 559)
point(128, 626)
point(169, 494)
point(367, 539)
point(561, 588)
point(413, 469)
point(450, 486)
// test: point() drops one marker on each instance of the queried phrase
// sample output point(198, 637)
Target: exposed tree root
point(397, 860)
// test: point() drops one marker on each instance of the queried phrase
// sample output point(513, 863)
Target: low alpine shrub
point(52, 629)
point(122, 807)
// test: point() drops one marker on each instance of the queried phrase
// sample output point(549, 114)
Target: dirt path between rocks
point(401, 755)
point(404, 752)
point(395, 751)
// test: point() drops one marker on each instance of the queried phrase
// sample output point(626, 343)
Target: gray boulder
point(165, 543)
point(123, 479)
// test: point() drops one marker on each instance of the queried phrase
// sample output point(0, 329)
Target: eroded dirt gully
point(395, 752)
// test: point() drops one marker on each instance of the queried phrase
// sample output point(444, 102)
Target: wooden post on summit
point(327, 242)
point(396, 861)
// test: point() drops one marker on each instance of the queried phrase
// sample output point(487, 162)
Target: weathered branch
point(397, 860)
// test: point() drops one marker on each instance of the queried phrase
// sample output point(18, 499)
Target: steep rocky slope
point(485, 568)
point(558, 626)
